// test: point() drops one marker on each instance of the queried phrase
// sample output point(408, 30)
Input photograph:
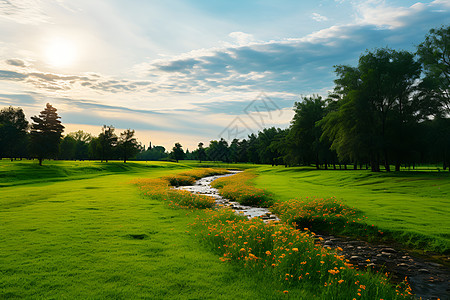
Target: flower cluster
point(189, 177)
point(160, 189)
point(236, 188)
point(289, 256)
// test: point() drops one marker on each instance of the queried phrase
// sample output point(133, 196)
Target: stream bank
point(428, 279)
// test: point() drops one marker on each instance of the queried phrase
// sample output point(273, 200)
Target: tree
point(434, 54)
point(107, 142)
point(201, 154)
point(218, 150)
point(304, 132)
point(82, 139)
point(46, 134)
point(153, 153)
point(13, 132)
point(128, 145)
point(67, 148)
point(376, 108)
point(177, 152)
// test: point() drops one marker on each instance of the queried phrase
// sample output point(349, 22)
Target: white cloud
point(242, 38)
point(319, 18)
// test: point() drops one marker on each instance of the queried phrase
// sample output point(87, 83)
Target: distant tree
point(190, 155)
point(242, 149)
point(201, 154)
point(46, 134)
point(218, 150)
point(267, 154)
point(153, 153)
point(278, 146)
point(177, 152)
point(107, 142)
point(252, 149)
point(304, 132)
point(82, 140)
point(234, 150)
point(128, 145)
point(94, 149)
point(434, 55)
point(67, 148)
point(13, 132)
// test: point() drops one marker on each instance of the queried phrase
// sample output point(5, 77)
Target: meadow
point(83, 230)
point(80, 230)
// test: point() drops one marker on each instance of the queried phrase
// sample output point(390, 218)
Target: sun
point(60, 52)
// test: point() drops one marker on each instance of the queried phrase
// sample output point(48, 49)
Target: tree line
point(43, 139)
point(392, 109)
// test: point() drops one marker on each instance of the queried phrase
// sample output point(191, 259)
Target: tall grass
point(189, 177)
point(237, 188)
point(280, 253)
point(160, 188)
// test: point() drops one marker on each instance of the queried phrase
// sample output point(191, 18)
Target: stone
point(355, 257)
point(403, 265)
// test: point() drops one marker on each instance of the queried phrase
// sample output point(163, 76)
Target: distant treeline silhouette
point(392, 109)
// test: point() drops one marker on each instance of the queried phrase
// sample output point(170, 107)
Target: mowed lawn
point(416, 202)
point(85, 232)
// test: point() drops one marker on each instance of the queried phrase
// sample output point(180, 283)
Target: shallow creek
point(429, 280)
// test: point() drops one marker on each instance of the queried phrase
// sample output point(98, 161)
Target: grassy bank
point(412, 206)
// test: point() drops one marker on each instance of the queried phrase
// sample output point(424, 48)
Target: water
point(203, 187)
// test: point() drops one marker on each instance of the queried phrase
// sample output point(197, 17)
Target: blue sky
point(191, 71)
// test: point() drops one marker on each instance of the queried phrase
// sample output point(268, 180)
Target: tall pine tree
point(46, 132)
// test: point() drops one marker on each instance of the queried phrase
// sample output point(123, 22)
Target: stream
point(428, 279)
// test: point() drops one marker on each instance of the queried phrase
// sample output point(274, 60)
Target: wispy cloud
point(23, 11)
point(319, 18)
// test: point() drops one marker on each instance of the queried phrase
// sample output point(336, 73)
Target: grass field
point(83, 231)
point(408, 203)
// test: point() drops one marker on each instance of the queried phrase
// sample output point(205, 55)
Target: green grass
point(95, 236)
point(82, 230)
point(414, 205)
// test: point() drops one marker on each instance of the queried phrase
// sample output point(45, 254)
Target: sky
point(195, 70)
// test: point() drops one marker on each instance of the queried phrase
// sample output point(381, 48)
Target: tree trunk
point(355, 166)
point(386, 162)
point(334, 165)
point(397, 166)
point(40, 161)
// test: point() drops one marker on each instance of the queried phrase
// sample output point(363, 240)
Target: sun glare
point(60, 52)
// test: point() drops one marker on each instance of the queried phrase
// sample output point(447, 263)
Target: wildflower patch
point(236, 188)
point(159, 188)
point(290, 256)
